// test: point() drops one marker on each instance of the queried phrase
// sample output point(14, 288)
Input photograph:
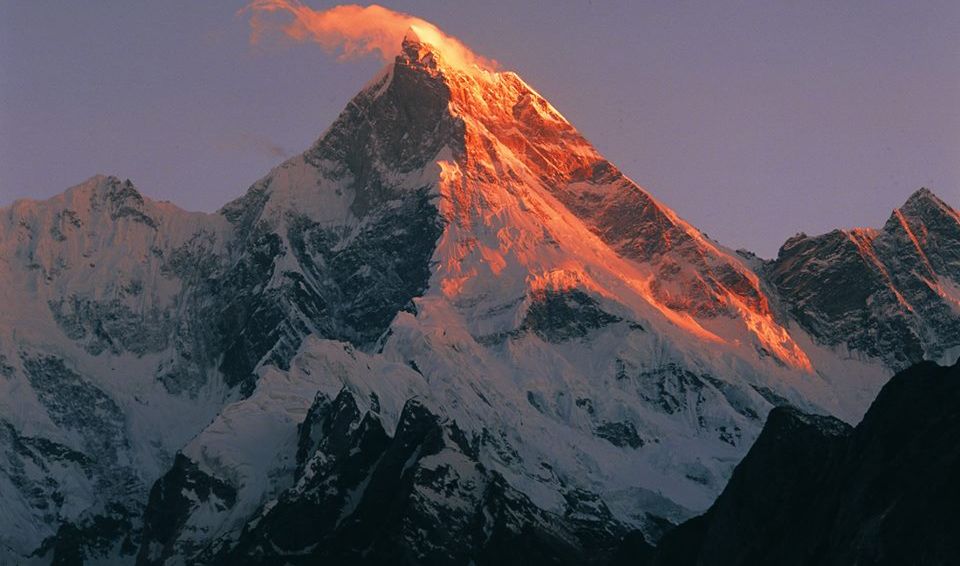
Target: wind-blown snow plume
point(358, 30)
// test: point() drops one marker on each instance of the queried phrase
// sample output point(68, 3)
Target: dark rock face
point(418, 497)
point(813, 490)
point(75, 404)
point(124, 201)
point(348, 285)
point(105, 534)
point(366, 278)
point(399, 129)
point(112, 325)
point(620, 434)
point(252, 319)
point(31, 465)
point(888, 293)
point(557, 316)
point(178, 493)
point(349, 281)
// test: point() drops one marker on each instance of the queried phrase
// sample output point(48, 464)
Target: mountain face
point(448, 331)
point(890, 293)
point(813, 490)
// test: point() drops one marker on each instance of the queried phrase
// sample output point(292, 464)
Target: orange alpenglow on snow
point(522, 163)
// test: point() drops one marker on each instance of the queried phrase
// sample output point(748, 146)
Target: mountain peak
point(102, 186)
point(923, 199)
point(925, 208)
point(489, 132)
point(412, 35)
point(417, 52)
point(922, 194)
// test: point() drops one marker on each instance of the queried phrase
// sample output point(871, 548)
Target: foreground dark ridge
point(814, 491)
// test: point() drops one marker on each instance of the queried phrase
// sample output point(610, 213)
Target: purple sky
point(753, 120)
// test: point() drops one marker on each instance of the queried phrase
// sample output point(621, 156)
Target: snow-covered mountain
point(448, 330)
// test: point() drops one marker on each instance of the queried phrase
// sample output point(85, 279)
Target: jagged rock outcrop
point(892, 293)
point(364, 497)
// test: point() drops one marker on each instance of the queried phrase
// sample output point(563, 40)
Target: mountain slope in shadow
point(813, 490)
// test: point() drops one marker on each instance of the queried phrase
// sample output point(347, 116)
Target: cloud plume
point(353, 30)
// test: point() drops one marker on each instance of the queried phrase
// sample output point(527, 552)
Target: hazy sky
point(753, 120)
